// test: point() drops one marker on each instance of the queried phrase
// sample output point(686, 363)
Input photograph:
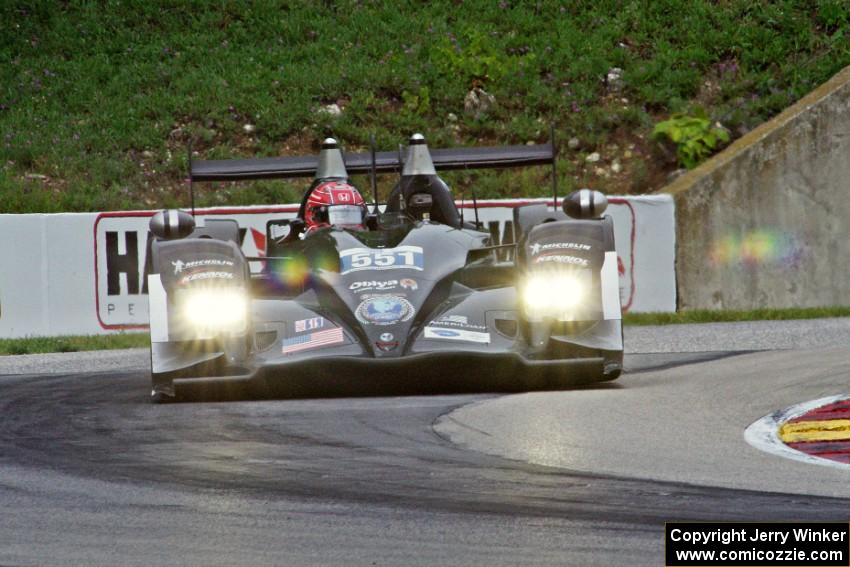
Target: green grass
point(136, 340)
point(102, 97)
point(708, 316)
point(34, 345)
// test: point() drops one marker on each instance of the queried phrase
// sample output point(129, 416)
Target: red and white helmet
point(334, 203)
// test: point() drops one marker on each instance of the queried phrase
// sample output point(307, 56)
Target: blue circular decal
point(384, 310)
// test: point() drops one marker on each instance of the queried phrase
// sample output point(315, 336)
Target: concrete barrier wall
point(766, 222)
point(83, 273)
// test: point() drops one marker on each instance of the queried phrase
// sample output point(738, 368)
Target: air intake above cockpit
point(418, 160)
point(331, 164)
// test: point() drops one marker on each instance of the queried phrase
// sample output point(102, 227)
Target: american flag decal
point(313, 340)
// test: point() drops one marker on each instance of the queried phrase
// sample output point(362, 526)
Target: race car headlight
point(554, 294)
point(215, 310)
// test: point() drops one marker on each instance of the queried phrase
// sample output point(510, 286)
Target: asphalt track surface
point(92, 474)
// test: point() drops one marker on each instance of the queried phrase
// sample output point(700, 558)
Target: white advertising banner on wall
point(84, 273)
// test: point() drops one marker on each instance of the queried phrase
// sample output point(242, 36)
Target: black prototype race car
point(414, 297)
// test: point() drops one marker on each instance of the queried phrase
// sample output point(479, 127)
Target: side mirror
point(277, 229)
point(172, 224)
point(280, 230)
point(585, 204)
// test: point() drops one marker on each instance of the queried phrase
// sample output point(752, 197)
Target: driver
point(334, 203)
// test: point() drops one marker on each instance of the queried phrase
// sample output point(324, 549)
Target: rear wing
point(385, 162)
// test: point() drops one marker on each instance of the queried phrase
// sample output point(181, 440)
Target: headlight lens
point(555, 294)
point(215, 310)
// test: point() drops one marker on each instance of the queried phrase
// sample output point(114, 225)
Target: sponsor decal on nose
point(456, 335)
point(384, 310)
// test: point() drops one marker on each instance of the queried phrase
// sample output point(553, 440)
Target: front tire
point(612, 367)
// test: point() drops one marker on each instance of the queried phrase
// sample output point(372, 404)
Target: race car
point(406, 292)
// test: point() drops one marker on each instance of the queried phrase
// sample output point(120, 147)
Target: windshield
point(391, 231)
point(345, 215)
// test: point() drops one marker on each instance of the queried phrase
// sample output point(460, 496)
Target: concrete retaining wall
point(766, 223)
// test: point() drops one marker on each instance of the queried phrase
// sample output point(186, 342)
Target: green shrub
point(474, 59)
point(695, 137)
point(832, 13)
point(417, 104)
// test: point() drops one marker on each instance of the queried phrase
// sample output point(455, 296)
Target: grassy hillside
point(98, 100)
